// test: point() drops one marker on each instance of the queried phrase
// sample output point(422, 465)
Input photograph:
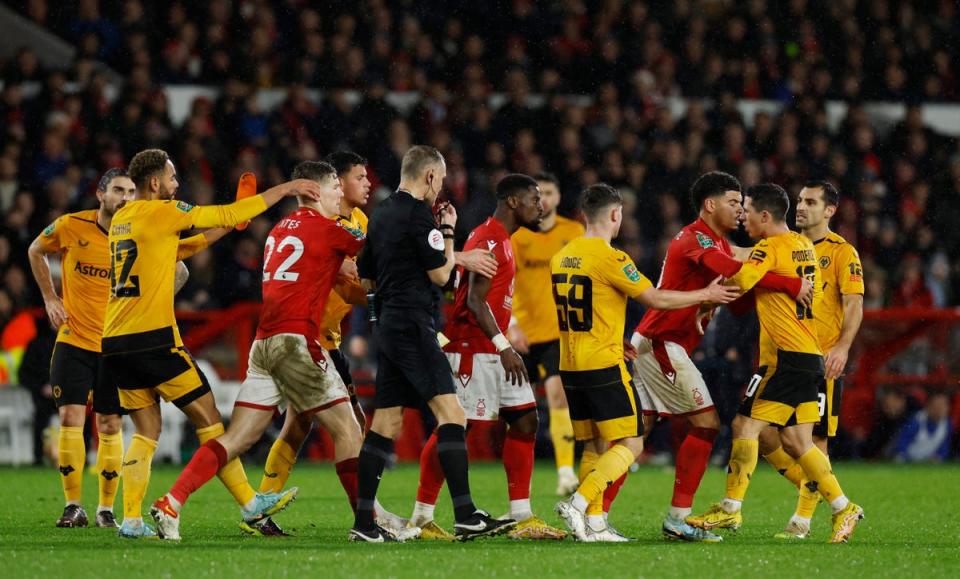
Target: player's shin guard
point(561, 434)
point(743, 461)
point(347, 473)
point(692, 459)
point(277, 469)
point(784, 464)
point(374, 453)
point(611, 465)
point(431, 473)
point(136, 474)
point(72, 454)
point(109, 461)
point(817, 468)
point(452, 450)
point(588, 462)
point(232, 474)
point(209, 458)
point(518, 464)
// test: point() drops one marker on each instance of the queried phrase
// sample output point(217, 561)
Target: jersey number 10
point(575, 306)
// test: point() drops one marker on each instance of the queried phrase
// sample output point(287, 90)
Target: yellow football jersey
point(85, 267)
point(532, 293)
point(337, 307)
point(144, 241)
point(784, 324)
point(841, 273)
point(591, 283)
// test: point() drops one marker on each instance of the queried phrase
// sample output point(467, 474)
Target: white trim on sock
point(422, 513)
point(520, 510)
point(730, 506)
point(680, 513)
point(839, 503)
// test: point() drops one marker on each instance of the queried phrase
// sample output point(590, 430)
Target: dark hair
point(710, 185)
point(417, 159)
point(110, 175)
point(547, 177)
point(771, 198)
point(598, 197)
point(313, 170)
point(830, 194)
point(513, 184)
point(145, 165)
point(343, 161)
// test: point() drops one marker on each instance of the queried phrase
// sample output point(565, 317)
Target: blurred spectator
point(926, 437)
point(34, 375)
point(894, 408)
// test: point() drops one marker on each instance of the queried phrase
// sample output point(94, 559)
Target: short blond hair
point(418, 159)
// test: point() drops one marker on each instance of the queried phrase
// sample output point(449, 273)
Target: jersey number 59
point(575, 305)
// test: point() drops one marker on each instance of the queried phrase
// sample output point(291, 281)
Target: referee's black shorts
point(411, 367)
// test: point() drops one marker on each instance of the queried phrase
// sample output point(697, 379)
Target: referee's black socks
point(374, 454)
point(452, 450)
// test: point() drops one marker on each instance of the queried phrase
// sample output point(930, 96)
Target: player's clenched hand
point(518, 339)
point(348, 269)
point(479, 261)
point(718, 293)
point(704, 315)
point(805, 297)
point(629, 351)
point(56, 313)
point(835, 362)
point(447, 215)
point(513, 367)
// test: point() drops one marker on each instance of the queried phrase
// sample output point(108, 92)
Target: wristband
point(445, 226)
point(449, 236)
point(501, 343)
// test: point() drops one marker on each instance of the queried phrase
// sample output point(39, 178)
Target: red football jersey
point(683, 271)
point(462, 329)
point(301, 259)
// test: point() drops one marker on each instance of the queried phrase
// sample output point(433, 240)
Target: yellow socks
point(136, 474)
point(816, 467)
point(232, 474)
point(72, 455)
point(561, 434)
point(109, 459)
point(743, 461)
point(588, 461)
point(807, 501)
point(611, 465)
point(784, 464)
point(276, 471)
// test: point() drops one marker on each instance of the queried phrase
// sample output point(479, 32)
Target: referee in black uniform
point(406, 254)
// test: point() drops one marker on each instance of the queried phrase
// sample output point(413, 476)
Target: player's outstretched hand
point(718, 293)
point(479, 261)
point(518, 339)
point(629, 352)
point(56, 313)
point(447, 214)
point(246, 187)
point(805, 297)
point(704, 315)
point(513, 368)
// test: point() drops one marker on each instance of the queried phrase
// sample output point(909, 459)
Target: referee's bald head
point(418, 159)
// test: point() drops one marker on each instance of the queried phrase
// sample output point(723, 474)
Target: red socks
point(347, 472)
point(208, 459)
point(692, 459)
point(431, 473)
point(518, 462)
point(611, 492)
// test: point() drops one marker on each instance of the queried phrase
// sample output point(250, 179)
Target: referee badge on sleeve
point(435, 239)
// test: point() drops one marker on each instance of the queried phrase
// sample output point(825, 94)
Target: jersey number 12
point(122, 255)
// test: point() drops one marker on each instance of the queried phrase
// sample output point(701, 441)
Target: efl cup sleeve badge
point(704, 240)
point(435, 239)
point(184, 206)
point(631, 272)
point(50, 228)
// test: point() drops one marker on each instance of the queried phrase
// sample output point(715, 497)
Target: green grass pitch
point(911, 529)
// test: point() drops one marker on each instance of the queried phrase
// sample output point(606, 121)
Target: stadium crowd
point(900, 190)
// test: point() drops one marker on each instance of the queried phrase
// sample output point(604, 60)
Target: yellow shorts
point(603, 403)
point(784, 396)
point(143, 377)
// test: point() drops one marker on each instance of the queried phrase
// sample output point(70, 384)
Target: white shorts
point(286, 370)
point(668, 382)
point(482, 388)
